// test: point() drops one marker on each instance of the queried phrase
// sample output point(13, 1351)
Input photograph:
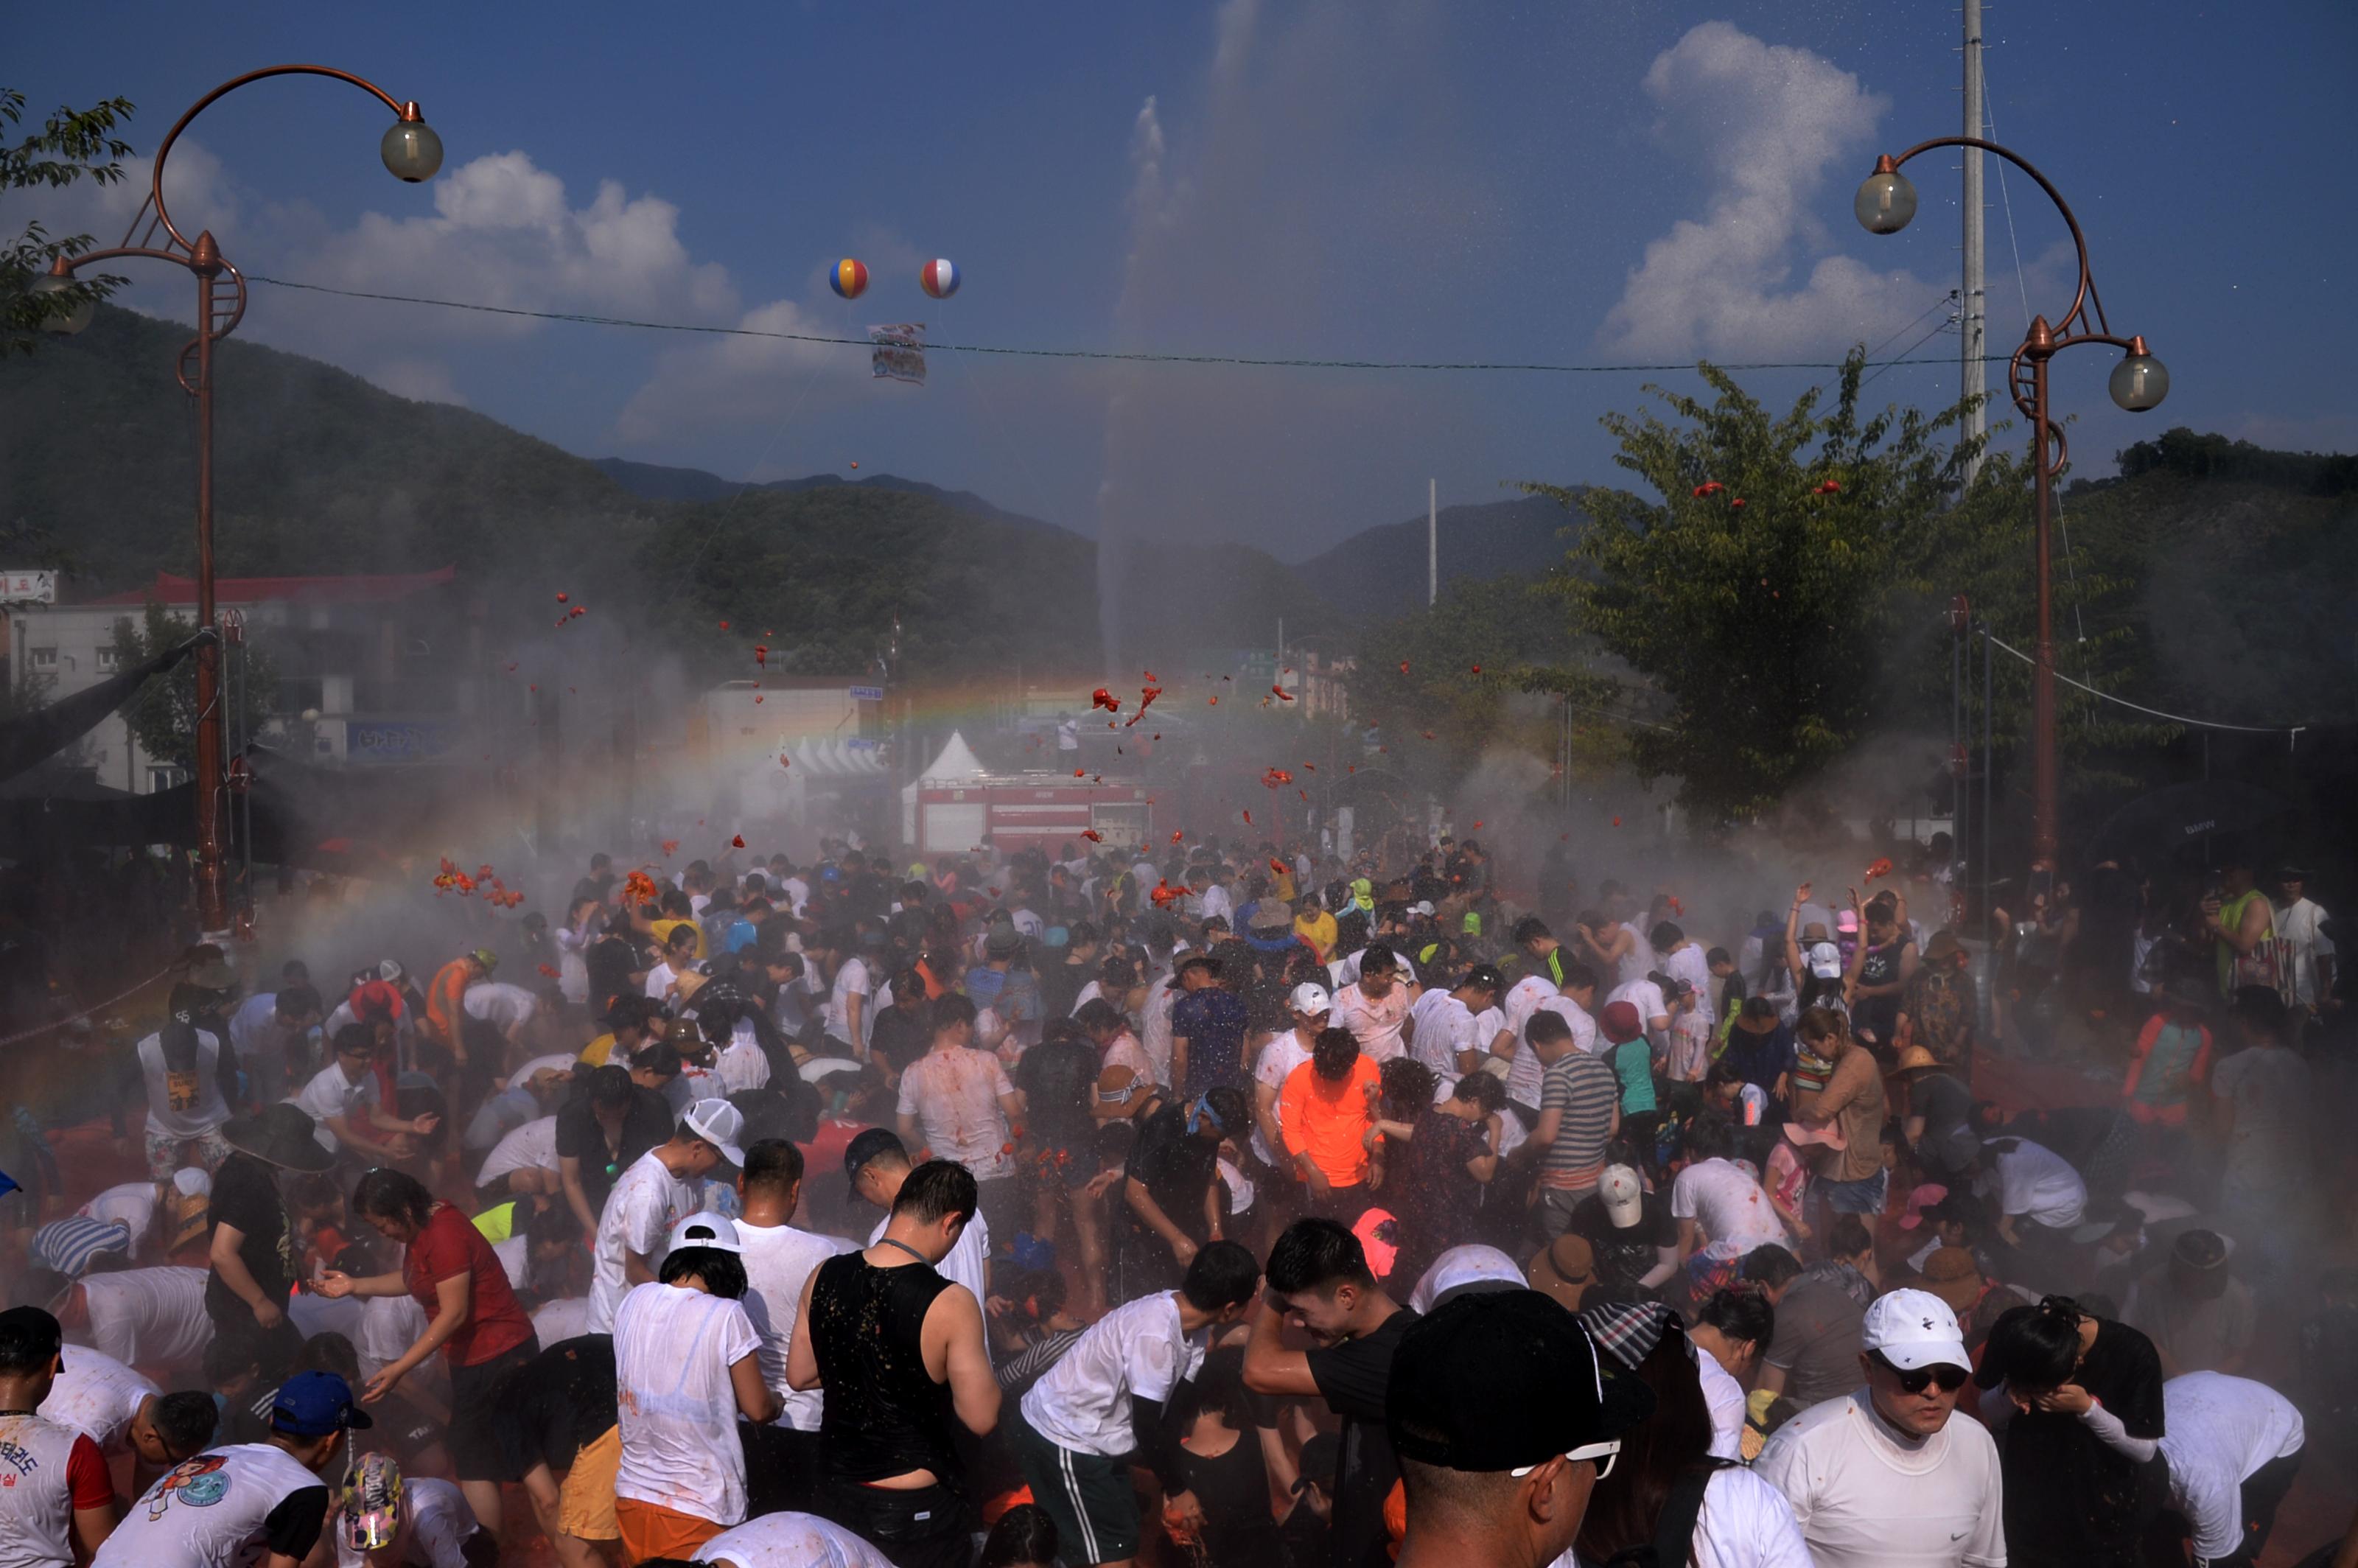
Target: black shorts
point(473, 1440)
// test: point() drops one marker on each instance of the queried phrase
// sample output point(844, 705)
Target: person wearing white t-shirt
point(1526, 1075)
point(1154, 1027)
point(878, 1164)
point(1653, 1011)
point(782, 1458)
point(2031, 1182)
point(258, 1503)
point(1309, 1008)
point(143, 1317)
point(1098, 1410)
point(1345, 971)
point(1721, 1210)
point(687, 1365)
point(183, 1066)
point(957, 1102)
point(1682, 958)
point(664, 1186)
point(2234, 1447)
point(526, 1157)
point(1374, 1007)
point(1442, 1035)
point(341, 1101)
point(790, 1541)
point(431, 1529)
point(1888, 1476)
point(850, 1016)
point(742, 1063)
point(505, 1007)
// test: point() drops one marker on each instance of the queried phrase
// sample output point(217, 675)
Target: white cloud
point(1765, 122)
point(728, 382)
point(420, 380)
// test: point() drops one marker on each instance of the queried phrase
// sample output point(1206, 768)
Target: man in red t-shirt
point(57, 1500)
point(472, 1318)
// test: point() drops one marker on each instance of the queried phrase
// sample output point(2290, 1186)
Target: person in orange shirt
point(446, 1010)
point(1327, 1109)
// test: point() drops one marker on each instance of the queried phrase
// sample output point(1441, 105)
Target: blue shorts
point(1864, 1197)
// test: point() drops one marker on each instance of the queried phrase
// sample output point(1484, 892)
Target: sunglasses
point(1915, 1380)
point(1605, 1454)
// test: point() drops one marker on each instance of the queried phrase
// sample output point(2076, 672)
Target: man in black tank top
point(900, 1352)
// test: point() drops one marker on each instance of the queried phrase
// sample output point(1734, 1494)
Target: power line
point(1137, 356)
point(2294, 731)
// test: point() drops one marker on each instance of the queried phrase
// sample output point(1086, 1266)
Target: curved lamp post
point(1885, 203)
point(412, 152)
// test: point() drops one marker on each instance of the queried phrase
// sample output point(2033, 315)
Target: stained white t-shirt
point(532, 1147)
point(131, 1205)
point(673, 1349)
point(149, 1317)
point(742, 1064)
point(210, 1512)
point(779, 1260)
point(1727, 1203)
point(1867, 1497)
point(1645, 996)
point(1527, 1075)
point(1445, 1027)
point(955, 1096)
point(2039, 1184)
point(1137, 1350)
point(647, 1202)
point(97, 1396)
point(791, 1540)
point(2217, 1430)
point(1374, 1021)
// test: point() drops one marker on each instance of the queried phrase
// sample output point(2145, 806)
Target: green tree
point(71, 146)
point(162, 713)
point(1781, 589)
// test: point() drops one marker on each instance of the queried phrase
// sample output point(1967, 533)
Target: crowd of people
point(1218, 1203)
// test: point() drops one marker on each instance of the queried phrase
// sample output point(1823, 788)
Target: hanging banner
point(899, 353)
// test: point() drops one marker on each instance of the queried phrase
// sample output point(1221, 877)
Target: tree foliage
point(162, 714)
point(73, 145)
point(1783, 589)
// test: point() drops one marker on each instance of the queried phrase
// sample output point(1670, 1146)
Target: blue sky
point(1579, 183)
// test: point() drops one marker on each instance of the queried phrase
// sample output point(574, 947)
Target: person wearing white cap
point(1464, 1269)
point(1272, 1169)
point(1885, 1477)
point(662, 1188)
point(687, 1363)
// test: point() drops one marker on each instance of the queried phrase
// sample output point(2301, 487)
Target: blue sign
point(368, 742)
point(868, 694)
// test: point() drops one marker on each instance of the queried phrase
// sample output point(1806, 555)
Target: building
point(371, 670)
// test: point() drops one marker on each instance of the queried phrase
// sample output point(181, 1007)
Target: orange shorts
point(585, 1500)
point(651, 1531)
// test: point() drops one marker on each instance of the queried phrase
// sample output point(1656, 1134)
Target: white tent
point(956, 765)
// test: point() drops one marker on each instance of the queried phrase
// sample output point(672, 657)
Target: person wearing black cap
point(1319, 1284)
point(1504, 1422)
point(259, 1503)
point(57, 1499)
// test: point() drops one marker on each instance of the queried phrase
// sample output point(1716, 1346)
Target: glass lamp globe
point(411, 151)
point(74, 319)
point(2139, 382)
point(1885, 202)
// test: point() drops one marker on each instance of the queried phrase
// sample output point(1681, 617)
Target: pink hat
point(1920, 1200)
point(1830, 1137)
point(1846, 921)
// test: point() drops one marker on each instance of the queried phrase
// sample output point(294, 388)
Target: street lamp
point(412, 152)
point(1885, 203)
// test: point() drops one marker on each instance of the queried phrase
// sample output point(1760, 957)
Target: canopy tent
point(955, 763)
point(31, 739)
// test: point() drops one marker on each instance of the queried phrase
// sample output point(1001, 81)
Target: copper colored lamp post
point(1885, 203)
point(412, 152)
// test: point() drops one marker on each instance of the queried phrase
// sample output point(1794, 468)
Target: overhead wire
point(1020, 352)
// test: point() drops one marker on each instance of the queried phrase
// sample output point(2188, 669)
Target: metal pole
point(2043, 780)
point(1432, 542)
point(1973, 296)
point(211, 917)
point(1989, 760)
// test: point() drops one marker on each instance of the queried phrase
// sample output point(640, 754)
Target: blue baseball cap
point(313, 1404)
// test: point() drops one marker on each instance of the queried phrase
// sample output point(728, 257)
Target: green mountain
point(1381, 571)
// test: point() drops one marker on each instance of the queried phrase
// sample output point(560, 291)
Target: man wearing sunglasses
point(1885, 1477)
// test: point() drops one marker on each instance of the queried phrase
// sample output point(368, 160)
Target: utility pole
point(1432, 542)
point(1973, 295)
